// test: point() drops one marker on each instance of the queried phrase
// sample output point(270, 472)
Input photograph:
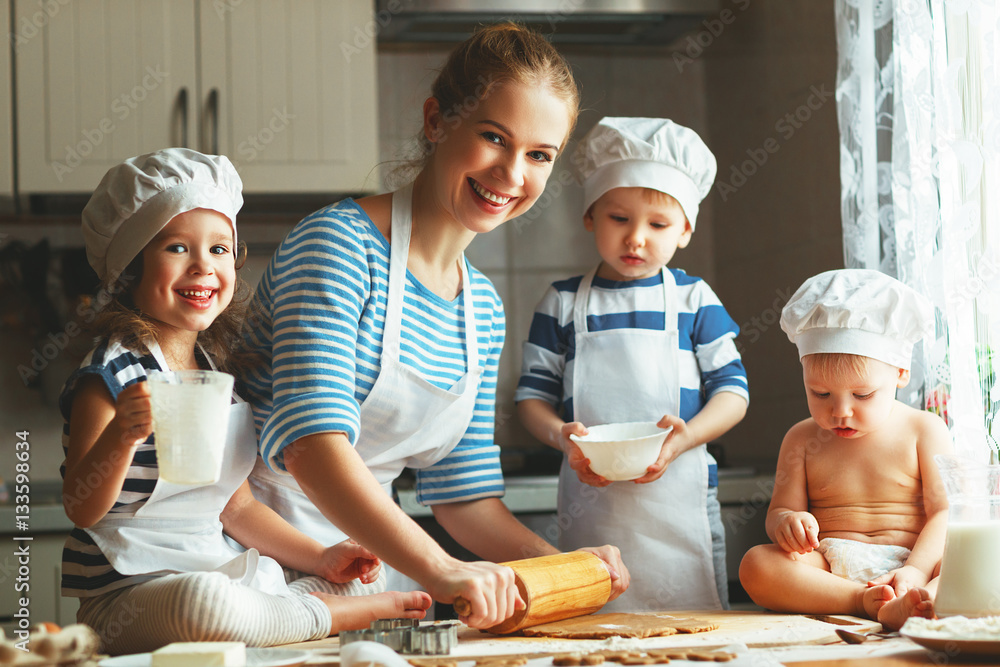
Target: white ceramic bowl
point(620, 452)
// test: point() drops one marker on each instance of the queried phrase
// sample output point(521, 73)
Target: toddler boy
point(633, 341)
point(858, 513)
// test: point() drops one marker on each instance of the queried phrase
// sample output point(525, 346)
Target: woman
point(381, 344)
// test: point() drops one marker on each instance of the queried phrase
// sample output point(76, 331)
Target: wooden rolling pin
point(553, 588)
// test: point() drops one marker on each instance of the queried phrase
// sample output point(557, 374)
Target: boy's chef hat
point(137, 198)
point(857, 311)
point(650, 153)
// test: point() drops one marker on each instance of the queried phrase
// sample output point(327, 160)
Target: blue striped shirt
point(709, 361)
point(317, 321)
point(86, 571)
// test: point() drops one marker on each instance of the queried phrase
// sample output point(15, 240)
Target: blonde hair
point(840, 366)
point(495, 54)
point(122, 321)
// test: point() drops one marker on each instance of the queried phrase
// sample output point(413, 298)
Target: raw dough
point(602, 626)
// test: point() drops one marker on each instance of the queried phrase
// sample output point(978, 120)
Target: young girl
point(381, 344)
point(148, 558)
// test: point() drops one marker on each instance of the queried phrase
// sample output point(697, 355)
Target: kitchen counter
point(760, 639)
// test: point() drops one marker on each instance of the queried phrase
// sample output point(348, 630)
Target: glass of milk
point(970, 578)
point(190, 424)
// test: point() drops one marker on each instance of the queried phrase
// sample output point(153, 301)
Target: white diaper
point(861, 561)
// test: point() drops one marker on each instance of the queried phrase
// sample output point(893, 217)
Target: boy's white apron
point(626, 375)
point(405, 420)
point(178, 528)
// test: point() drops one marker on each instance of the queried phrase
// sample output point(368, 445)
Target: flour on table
point(954, 627)
point(621, 643)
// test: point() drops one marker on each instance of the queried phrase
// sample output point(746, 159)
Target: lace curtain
point(918, 102)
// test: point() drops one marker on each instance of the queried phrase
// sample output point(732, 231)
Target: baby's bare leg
point(803, 583)
point(915, 602)
point(355, 613)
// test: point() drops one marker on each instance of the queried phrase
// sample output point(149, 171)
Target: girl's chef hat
point(137, 198)
point(857, 311)
point(650, 153)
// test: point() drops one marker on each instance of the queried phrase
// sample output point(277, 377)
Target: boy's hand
point(674, 444)
point(902, 579)
point(134, 413)
point(347, 561)
point(577, 461)
point(796, 532)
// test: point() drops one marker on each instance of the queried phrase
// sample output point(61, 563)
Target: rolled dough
point(602, 626)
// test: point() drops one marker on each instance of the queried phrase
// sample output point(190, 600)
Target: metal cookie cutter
point(405, 635)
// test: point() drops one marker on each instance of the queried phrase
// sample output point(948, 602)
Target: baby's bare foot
point(914, 602)
point(355, 613)
point(874, 598)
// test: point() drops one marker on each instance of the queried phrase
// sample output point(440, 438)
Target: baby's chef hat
point(137, 198)
point(857, 311)
point(650, 153)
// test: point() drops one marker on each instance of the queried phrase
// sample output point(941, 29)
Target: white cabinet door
point(288, 95)
point(6, 105)
point(102, 80)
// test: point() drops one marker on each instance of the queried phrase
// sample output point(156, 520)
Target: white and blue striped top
point(86, 571)
point(709, 361)
point(317, 321)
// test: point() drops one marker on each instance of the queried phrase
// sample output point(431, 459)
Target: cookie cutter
point(406, 635)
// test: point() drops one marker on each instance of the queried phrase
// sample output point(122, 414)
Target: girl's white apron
point(405, 420)
point(178, 528)
point(626, 375)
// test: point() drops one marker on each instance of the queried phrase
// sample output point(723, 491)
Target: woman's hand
point(612, 558)
point(575, 457)
point(134, 413)
point(347, 561)
point(489, 589)
point(797, 532)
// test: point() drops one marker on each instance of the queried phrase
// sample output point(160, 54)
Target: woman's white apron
point(405, 420)
point(178, 528)
point(626, 375)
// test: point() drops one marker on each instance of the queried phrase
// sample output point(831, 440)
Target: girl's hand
point(347, 561)
point(902, 579)
point(797, 532)
point(134, 414)
point(612, 558)
point(575, 457)
point(674, 444)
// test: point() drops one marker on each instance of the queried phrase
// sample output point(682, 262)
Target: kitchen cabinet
point(6, 154)
point(281, 87)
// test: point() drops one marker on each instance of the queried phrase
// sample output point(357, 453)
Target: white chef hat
point(857, 311)
point(650, 153)
point(137, 198)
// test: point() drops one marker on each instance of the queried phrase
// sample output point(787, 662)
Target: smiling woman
point(381, 344)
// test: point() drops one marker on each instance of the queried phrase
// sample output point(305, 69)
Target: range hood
point(567, 22)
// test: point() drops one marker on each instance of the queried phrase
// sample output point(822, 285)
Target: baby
point(858, 514)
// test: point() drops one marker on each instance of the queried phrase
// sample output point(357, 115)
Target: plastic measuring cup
point(190, 424)
point(970, 578)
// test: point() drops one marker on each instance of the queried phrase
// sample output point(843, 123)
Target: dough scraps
point(603, 626)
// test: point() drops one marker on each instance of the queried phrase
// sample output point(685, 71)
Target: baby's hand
point(134, 413)
point(902, 579)
point(574, 456)
point(347, 561)
point(796, 532)
point(674, 444)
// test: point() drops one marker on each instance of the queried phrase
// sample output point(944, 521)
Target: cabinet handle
point(181, 119)
point(210, 124)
